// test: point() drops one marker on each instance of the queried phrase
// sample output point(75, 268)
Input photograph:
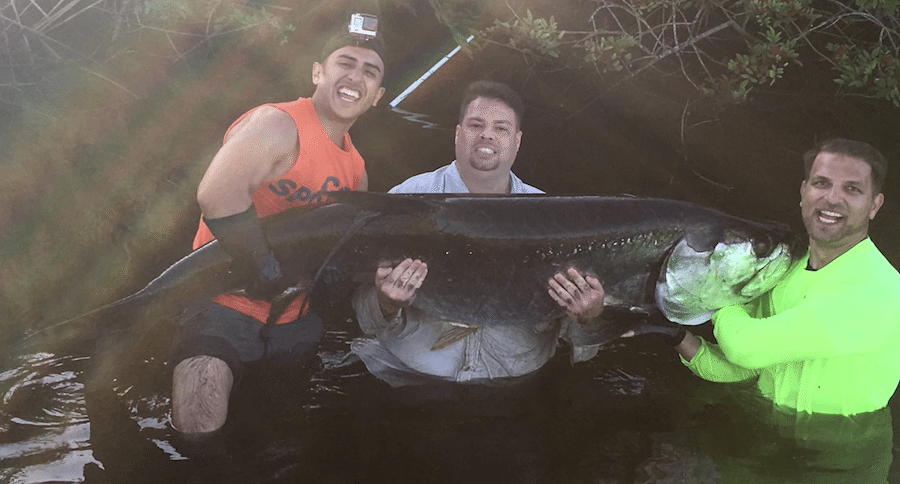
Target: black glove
point(670, 333)
point(241, 236)
point(270, 281)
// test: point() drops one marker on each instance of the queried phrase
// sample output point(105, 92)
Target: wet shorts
point(233, 337)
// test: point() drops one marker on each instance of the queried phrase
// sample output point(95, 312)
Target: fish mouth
point(349, 94)
point(694, 283)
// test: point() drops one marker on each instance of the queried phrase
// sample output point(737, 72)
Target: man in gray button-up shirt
point(413, 347)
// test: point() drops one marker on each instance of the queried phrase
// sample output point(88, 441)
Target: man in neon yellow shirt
point(826, 339)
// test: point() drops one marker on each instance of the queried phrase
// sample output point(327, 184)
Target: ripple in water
point(44, 427)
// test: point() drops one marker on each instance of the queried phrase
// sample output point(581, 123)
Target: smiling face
point(837, 201)
point(487, 139)
point(348, 83)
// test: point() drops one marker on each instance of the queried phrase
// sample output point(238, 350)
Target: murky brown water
point(632, 414)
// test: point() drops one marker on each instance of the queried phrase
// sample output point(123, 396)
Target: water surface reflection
point(44, 427)
point(632, 414)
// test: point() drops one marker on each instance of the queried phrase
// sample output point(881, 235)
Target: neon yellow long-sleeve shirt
point(825, 341)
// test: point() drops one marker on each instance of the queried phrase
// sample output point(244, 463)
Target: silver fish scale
point(489, 258)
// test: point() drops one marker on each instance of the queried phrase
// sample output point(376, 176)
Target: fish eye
point(762, 246)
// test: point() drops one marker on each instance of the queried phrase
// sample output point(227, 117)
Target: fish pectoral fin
point(451, 334)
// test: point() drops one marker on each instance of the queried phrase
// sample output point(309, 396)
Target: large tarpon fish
point(490, 257)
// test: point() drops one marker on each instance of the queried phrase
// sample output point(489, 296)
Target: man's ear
point(318, 70)
point(378, 94)
point(876, 204)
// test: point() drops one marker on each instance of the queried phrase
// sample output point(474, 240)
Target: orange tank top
point(321, 166)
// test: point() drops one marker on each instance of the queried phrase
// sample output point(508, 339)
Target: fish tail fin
point(83, 334)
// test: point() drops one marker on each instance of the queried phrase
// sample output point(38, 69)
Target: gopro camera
point(363, 26)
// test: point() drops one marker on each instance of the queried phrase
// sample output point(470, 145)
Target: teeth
point(486, 151)
point(344, 91)
point(829, 217)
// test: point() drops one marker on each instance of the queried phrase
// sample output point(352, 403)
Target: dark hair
point(492, 90)
point(344, 39)
point(853, 149)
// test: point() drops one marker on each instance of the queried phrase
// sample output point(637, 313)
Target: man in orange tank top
point(275, 157)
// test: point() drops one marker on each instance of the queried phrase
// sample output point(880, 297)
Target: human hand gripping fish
point(581, 296)
point(396, 286)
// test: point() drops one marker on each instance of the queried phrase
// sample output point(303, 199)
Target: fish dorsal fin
point(387, 203)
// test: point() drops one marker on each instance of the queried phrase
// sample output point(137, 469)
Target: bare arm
point(688, 346)
point(262, 146)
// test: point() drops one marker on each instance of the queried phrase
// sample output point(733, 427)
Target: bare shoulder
point(273, 123)
point(270, 133)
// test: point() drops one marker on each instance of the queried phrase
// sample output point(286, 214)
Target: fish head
point(745, 262)
point(763, 237)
